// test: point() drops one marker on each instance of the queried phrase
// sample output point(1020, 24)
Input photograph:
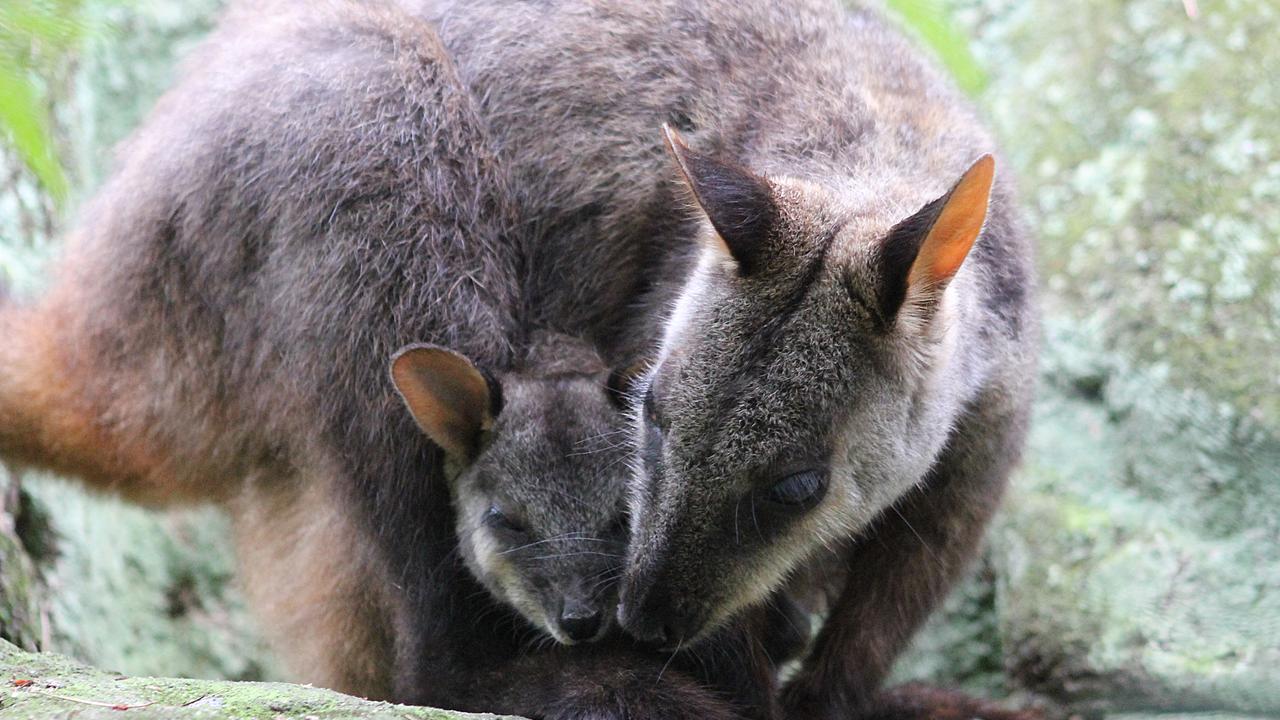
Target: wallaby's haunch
point(316, 193)
point(842, 386)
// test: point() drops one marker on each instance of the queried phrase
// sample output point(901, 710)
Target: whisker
point(556, 556)
point(679, 644)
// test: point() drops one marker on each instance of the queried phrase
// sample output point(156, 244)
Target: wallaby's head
point(538, 471)
point(803, 384)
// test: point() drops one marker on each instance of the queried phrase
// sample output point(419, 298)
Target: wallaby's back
point(315, 192)
point(805, 88)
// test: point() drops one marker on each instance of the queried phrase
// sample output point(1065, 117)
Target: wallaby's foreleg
point(908, 561)
point(315, 582)
point(740, 662)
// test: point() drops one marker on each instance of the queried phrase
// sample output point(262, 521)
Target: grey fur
point(556, 463)
point(316, 192)
point(917, 418)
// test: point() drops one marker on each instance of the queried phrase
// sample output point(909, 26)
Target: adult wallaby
point(315, 193)
point(842, 388)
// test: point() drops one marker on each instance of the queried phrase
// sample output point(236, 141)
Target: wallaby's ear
point(450, 399)
point(923, 252)
point(738, 202)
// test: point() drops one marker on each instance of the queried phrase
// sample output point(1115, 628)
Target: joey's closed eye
point(495, 518)
point(799, 490)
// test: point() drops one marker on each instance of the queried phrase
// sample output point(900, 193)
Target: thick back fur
point(802, 89)
point(918, 422)
point(316, 192)
point(301, 204)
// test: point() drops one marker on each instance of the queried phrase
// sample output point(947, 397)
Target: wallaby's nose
point(650, 622)
point(579, 621)
point(650, 630)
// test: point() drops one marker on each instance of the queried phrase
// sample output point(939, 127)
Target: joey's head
point(805, 381)
point(538, 471)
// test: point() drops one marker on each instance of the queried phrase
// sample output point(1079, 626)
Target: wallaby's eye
point(801, 489)
point(498, 520)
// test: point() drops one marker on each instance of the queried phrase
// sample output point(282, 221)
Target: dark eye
point(801, 489)
point(498, 520)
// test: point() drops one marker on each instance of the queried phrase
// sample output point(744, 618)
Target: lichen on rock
point(1136, 566)
point(38, 686)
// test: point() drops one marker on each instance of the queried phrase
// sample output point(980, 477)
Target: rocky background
point(1135, 570)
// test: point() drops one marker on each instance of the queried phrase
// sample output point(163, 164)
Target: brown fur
point(49, 417)
point(314, 582)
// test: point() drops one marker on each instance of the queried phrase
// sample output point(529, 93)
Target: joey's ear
point(923, 252)
point(739, 203)
point(450, 399)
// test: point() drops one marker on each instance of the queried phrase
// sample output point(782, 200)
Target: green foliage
point(930, 19)
point(35, 37)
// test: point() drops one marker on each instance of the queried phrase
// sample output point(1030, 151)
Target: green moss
point(1137, 564)
point(165, 579)
point(39, 686)
point(1147, 144)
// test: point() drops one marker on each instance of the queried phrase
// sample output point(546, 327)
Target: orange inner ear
point(957, 227)
point(445, 393)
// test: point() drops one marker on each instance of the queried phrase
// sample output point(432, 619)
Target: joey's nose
point(580, 623)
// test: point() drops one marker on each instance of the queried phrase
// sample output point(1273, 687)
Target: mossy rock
point(39, 686)
point(1136, 566)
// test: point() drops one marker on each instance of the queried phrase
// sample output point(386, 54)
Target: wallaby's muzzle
point(649, 613)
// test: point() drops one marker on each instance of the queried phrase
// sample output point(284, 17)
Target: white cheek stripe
point(682, 309)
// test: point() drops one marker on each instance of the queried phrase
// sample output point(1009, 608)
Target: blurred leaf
point(57, 25)
point(931, 21)
point(26, 124)
point(34, 36)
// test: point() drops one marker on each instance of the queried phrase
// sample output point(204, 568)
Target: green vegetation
point(931, 20)
point(35, 36)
